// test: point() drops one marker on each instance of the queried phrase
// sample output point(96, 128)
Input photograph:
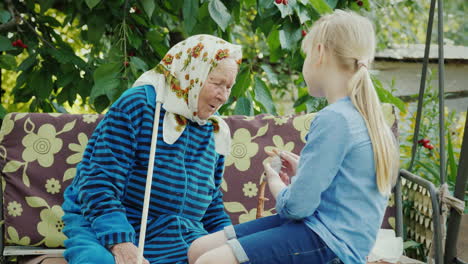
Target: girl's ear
point(321, 53)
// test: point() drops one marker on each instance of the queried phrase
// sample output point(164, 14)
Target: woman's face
point(217, 88)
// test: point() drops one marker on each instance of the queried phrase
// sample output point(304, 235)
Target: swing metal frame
point(454, 220)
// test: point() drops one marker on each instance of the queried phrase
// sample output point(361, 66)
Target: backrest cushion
point(39, 153)
point(38, 156)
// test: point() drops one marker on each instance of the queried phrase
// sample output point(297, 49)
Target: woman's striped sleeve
point(104, 177)
point(215, 218)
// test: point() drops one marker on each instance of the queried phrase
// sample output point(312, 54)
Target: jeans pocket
point(319, 255)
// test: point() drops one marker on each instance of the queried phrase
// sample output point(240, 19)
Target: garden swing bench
point(409, 187)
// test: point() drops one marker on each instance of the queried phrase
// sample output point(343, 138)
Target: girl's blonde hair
point(350, 39)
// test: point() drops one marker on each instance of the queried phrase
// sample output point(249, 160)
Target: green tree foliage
point(93, 50)
point(405, 22)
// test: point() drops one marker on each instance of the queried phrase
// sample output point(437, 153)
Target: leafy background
point(79, 56)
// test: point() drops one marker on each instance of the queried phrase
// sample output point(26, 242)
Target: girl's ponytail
point(365, 99)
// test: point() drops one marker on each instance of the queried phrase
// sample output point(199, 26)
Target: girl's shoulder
point(340, 106)
point(343, 110)
point(338, 110)
point(342, 116)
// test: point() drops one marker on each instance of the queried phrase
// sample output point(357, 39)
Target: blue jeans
point(273, 239)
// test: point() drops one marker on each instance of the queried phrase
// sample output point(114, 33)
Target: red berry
point(278, 1)
point(126, 63)
point(430, 147)
point(285, 2)
point(304, 33)
point(360, 3)
point(424, 141)
point(19, 43)
point(137, 10)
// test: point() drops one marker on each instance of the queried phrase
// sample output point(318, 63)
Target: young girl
point(333, 208)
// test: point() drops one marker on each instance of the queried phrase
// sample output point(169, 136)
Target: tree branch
point(171, 12)
point(124, 28)
point(14, 22)
point(18, 19)
point(8, 26)
point(37, 34)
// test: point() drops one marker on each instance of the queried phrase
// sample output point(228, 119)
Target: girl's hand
point(289, 163)
point(270, 173)
point(275, 183)
point(125, 253)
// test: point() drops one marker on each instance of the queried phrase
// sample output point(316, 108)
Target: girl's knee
point(213, 256)
point(206, 259)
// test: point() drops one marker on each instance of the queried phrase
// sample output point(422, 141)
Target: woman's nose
point(223, 95)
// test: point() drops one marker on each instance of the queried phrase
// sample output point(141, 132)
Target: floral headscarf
point(178, 80)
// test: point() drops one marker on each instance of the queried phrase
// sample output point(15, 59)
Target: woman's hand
point(125, 253)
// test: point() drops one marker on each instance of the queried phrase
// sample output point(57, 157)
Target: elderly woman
point(103, 205)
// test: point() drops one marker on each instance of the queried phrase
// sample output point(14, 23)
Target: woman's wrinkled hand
point(126, 253)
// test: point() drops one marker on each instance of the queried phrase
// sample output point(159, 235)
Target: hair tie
point(362, 63)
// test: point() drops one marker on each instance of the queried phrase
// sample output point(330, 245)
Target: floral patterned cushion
point(39, 153)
